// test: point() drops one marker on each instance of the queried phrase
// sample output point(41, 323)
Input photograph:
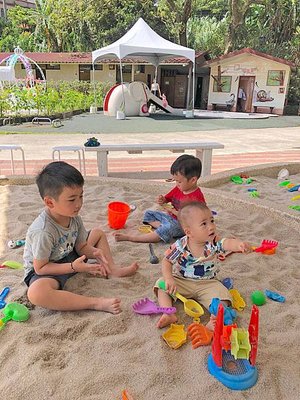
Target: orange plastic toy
point(175, 336)
point(199, 335)
point(266, 247)
point(126, 395)
point(225, 339)
point(117, 214)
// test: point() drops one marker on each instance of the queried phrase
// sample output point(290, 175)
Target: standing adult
point(241, 99)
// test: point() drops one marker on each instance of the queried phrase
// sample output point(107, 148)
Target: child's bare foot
point(166, 319)
point(125, 271)
point(211, 323)
point(121, 237)
point(111, 305)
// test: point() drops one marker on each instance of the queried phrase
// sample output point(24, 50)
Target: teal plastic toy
point(229, 313)
point(274, 296)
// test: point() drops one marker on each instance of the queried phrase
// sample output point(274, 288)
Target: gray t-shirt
point(47, 240)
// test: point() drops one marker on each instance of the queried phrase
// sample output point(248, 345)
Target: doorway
point(85, 72)
point(199, 92)
point(245, 93)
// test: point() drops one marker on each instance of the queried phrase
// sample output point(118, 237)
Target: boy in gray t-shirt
point(57, 245)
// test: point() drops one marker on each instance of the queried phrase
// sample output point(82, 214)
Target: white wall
point(250, 65)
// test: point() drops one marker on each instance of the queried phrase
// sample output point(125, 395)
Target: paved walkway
point(243, 146)
point(116, 165)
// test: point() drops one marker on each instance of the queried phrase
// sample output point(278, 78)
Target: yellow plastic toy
point(168, 206)
point(296, 197)
point(175, 336)
point(145, 228)
point(191, 307)
point(240, 345)
point(237, 301)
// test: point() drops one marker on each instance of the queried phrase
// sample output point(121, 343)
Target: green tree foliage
point(207, 34)
point(218, 26)
point(17, 30)
point(176, 14)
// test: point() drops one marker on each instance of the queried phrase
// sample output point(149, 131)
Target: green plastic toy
point(258, 298)
point(237, 180)
point(16, 312)
point(254, 193)
point(240, 345)
point(297, 208)
point(284, 183)
point(12, 264)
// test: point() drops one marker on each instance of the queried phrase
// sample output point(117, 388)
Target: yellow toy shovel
point(191, 307)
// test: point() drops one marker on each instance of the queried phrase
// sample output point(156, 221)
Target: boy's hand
point(96, 269)
point(173, 211)
point(161, 200)
point(170, 286)
point(101, 259)
point(243, 247)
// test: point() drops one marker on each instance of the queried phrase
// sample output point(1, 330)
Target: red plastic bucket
point(117, 214)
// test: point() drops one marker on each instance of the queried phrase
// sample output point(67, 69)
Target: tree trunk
point(4, 10)
point(237, 14)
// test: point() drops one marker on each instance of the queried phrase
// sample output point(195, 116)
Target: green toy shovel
point(16, 312)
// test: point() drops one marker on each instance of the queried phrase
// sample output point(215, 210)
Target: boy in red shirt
point(186, 171)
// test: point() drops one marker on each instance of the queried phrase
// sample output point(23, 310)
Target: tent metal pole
point(188, 95)
point(94, 86)
point(155, 74)
point(121, 74)
point(194, 76)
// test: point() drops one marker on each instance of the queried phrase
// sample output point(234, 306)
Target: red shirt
point(178, 198)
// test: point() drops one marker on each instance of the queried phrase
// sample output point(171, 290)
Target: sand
point(95, 355)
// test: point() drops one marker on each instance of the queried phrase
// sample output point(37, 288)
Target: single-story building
point(247, 80)
point(244, 80)
point(172, 75)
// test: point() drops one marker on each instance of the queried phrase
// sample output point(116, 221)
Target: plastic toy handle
point(4, 293)
point(162, 286)
point(180, 297)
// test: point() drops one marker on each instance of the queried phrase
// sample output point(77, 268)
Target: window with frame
point(85, 67)
point(275, 78)
point(224, 84)
point(126, 69)
point(140, 69)
point(55, 67)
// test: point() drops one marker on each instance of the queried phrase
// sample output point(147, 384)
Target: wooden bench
point(203, 152)
point(222, 106)
point(11, 148)
point(262, 104)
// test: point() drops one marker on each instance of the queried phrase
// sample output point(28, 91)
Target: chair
point(78, 149)
point(11, 148)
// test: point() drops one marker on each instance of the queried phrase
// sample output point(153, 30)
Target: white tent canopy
point(142, 41)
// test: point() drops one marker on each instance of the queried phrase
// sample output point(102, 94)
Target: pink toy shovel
point(266, 245)
point(146, 306)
